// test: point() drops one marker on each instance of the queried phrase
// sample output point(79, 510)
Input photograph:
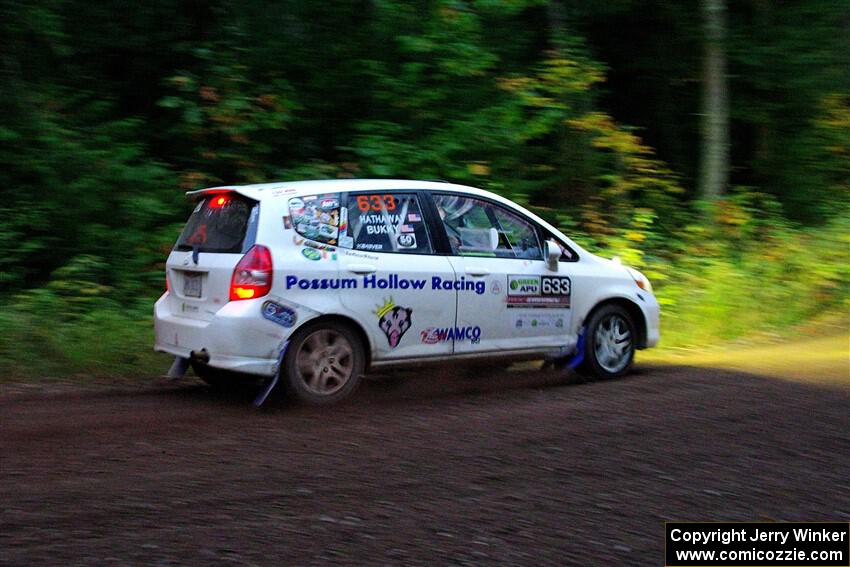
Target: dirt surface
point(433, 469)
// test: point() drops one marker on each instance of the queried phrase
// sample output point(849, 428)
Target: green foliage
point(37, 343)
point(76, 325)
point(236, 124)
point(744, 272)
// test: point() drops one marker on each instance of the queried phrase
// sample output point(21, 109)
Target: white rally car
point(323, 280)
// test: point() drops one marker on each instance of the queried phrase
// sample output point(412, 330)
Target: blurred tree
point(715, 114)
point(781, 72)
point(778, 73)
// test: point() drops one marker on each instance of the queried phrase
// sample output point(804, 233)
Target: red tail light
point(252, 276)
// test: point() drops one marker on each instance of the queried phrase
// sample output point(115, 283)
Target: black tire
point(324, 363)
point(609, 328)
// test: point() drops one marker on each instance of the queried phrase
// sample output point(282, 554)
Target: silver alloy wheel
point(613, 343)
point(324, 362)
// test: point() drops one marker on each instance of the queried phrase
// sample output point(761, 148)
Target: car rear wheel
point(324, 363)
point(609, 343)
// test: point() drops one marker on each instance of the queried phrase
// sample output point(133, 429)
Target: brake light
point(218, 202)
point(252, 276)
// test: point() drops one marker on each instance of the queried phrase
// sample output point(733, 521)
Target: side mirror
point(494, 238)
point(553, 254)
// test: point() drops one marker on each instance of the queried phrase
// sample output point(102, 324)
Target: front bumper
point(652, 314)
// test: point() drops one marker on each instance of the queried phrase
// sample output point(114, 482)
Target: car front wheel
point(609, 343)
point(324, 363)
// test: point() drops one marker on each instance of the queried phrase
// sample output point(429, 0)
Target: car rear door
point(522, 305)
point(398, 292)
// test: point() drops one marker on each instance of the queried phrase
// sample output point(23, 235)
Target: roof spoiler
point(210, 191)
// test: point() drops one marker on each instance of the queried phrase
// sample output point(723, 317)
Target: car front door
point(387, 251)
point(516, 302)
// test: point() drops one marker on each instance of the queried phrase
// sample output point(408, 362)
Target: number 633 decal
point(376, 202)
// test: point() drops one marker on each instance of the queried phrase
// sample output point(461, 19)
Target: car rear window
point(219, 223)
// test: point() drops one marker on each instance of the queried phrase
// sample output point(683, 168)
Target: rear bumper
point(237, 327)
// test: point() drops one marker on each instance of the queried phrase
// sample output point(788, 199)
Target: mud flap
point(272, 382)
point(578, 357)
point(178, 368)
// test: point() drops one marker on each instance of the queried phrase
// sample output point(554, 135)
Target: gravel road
point(517, 468)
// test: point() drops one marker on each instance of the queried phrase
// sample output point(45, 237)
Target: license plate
point(191, 284)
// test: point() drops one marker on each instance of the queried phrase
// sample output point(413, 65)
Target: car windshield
point(218, 223)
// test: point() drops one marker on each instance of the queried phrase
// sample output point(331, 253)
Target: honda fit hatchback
point(322, 281)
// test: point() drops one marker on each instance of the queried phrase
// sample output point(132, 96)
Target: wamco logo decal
point(434, 335)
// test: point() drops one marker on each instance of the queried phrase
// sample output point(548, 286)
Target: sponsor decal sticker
point(320, 283)
point(406, 241)
point(311, 254)
point(363, 246)
point(434, 335)
point(343, 221)
point(296, 205)
point(523, 285)
point(391, 281)
point(326, 250)
point(539, 321)
point(314, 217)
point(354, 254)
point(319, 246)
point(280, 314)
point(394, 321)
point(539, 291)
point(327, 230)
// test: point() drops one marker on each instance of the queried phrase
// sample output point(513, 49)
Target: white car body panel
point(237, 336)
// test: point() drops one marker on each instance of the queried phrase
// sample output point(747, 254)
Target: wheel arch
point(350, 323)
point(634, 311)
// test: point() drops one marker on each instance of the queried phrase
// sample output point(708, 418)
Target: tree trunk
point(715, 102)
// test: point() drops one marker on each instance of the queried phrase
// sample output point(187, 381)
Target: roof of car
point(287, 189)
point(260, 191)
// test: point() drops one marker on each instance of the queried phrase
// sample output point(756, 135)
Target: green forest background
point(705, 142)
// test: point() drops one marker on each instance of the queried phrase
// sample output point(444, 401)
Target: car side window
point(316, 217)
point(384, 221)
point(567, 255)
point(480, 228)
